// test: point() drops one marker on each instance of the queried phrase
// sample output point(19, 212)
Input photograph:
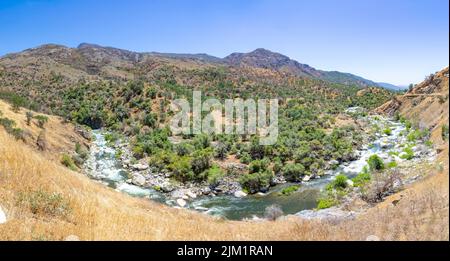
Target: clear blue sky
point(396, 41)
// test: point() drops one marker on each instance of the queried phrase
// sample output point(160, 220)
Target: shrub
point(444, 132)
point(41, 120)
point(375, 163)
point(387, 131)
point(324, 203)
point(201, 141)
point(138, 151)
point(184, 149)
point(361, 179)
point(273, 212)
point(214, 175)
point(181, 169)
point(254, 182)
point(41, 141)
point(112, 137)
point(151, 93)
point(293, 172)
point(383, 184)
point(221, 151)
point(289, 190)
point(81, 151)
point(29, 116)
point(392, 164)
point(67, 161)
point(150, 120)
point(407, 154)
point(339, 183)
point(201, 160)
point(245, 158)
point(258, 166)
point(41, 202)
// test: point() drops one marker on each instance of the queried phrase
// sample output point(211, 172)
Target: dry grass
point(99, 213)
point(44, 200)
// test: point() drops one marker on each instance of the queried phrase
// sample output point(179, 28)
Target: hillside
point(43, 200)
point(426, 105)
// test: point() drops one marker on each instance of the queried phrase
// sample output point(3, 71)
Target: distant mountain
point(391, 86)
point(266, 59)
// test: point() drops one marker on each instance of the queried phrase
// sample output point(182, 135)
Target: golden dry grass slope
point(44, 200)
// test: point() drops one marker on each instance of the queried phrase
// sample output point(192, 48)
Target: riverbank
point(123, 173)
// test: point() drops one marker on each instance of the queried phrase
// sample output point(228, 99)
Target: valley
point(87, 151)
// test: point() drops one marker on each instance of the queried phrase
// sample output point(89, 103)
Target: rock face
point(2, 216)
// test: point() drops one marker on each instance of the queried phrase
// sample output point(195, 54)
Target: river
point(102, 165)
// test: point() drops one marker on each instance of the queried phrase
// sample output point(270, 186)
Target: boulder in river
point(191, 194)
point(138, 180)
point(239, 194)
point(181, 202)
point(139, 166)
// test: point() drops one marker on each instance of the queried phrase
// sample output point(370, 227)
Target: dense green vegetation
point(139, 109)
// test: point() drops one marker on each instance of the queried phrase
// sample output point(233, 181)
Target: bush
point(407, 154)
point(289, 190)
point(383, 184)
point(258, 166)
point(41, 202)
point(138, 151)
point(67, 161)
point(324, 203)
point(375, 163)
point(444, 132)
point(254, 182)
point(293, 172)
point(387, 131)
point(221, 151)
point(392, 164)
point(41, 141)
point(184, 149)
point(214, 175)
point(361, 179)
point(245, 158)
point(201, 141)
point(29, 116)
point(273, 212)
point(41, 120)
point(201, 160)
point(339, 183)
point(150, 120)
point(181, 169)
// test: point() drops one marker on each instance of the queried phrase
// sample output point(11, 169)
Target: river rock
point(191, 194)
point(2, 216)
point(139, 166)
point(349, 182)
point(333, 162)
point(181, 202)
point(240, 194)
point(138, 180)
point(306, 178)
point(206, 191)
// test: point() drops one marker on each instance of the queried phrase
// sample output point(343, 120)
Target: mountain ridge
point(258, 58)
